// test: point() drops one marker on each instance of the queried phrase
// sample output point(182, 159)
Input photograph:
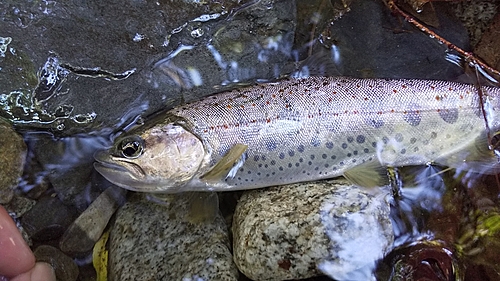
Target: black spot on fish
point(350, 139)
point(241, 169)
point(291, 153)
point(413, 140)
point(413, 118)
point(385, 140)
point(258, 173)
point(324, 156)
point(329, 145)
point(300, 148)
point(297, 164)
point(374, 144)
point(353, 160)
point(449, 115)
point(263, 158)
point(312, 156)
point(399, 137)
point(360, 139)
point(309, 163)
point(349, 154)
point(249, 172)
point(327, 165)
point(282, 155)
point(433, 135)
point(273, 162)
point(317, 168)
point(280, 168)
point(344, 145)
point(256, 158)
point(403, 151)
point(375, 123)
point(271, 144)
point(315, 142)
point(333, 157)
point(289, 165)
point(355, 152)
point(366, 150)
point(265, 166)
point(260, 165)
point(341, 163)
point(301, 160)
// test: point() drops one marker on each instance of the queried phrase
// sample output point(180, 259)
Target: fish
point(307, 129)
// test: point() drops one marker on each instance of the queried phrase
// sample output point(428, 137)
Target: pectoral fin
point(202, 207)
point(369, 174)
point(228, 165)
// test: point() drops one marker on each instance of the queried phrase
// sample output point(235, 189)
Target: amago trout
point(307, 129)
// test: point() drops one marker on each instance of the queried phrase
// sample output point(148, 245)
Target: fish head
point(162, 159)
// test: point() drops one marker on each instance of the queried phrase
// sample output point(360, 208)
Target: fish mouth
point(121, 173)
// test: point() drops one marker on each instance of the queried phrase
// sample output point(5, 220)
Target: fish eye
point(131, 147)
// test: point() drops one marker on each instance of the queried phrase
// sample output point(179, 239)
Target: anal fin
point(478, 157)
point(228, 165)
point(369, 174)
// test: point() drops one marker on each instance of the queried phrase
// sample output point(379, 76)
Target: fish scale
point(319, 127)
point(306, 129)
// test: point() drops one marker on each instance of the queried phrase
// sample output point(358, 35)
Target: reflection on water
point(446, 223)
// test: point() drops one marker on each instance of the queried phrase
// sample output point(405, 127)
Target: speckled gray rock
point(12, 157)
point(301, 230)
point(84, 232)
point(153, 241)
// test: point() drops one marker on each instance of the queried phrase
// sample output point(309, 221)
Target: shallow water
point(74, 76)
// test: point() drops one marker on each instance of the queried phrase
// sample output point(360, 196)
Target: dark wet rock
point(95, 60)
point(48, 219)
point(84, 232)
point(476, 16)
point(12, 157)
point(422, 260)
point(153, 241)
point(303, 230)
point(68, 162)
point(64, 266)
point(18, 206)
point(369, 41)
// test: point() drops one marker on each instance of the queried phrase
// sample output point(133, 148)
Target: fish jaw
point(123, 174)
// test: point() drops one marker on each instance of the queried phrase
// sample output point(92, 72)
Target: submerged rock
point(155, 241)
point(303, 230)
point(48, 219)
point(64, 266)
point(12, 157)
point(84, 232)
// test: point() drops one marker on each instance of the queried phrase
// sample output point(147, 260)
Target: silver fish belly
point(318, 127)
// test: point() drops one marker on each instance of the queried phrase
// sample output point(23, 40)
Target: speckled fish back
point(318, 127)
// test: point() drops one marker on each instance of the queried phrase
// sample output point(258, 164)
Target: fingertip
point(43, 272)
point(15, 252)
